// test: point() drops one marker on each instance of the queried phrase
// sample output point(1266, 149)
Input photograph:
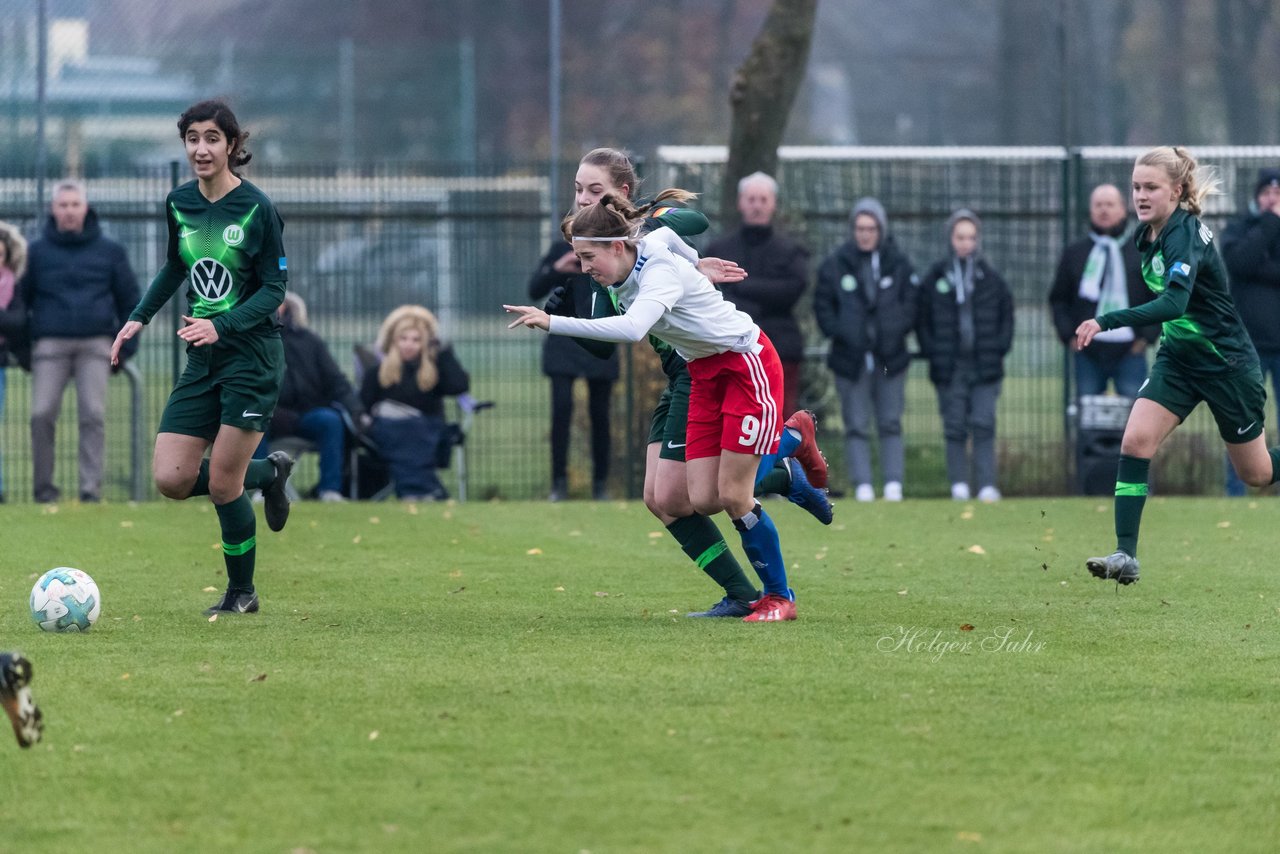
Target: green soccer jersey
point(1202, 332)
point(230, 255)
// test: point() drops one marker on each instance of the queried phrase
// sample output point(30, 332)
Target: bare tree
point(1240, 23)
point(764, 88)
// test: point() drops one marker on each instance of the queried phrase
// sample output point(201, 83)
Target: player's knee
point(707, 505)
point(174, 485)
point(1256, 477)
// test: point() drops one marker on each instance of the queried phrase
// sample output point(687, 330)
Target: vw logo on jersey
point(211, 280)
point(233, 235)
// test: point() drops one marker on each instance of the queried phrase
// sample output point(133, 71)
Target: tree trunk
point(1240, 24)
point(763, 90)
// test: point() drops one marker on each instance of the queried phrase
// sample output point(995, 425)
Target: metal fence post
point(137, 488)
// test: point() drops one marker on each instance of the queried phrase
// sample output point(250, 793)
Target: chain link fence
point(362, 241)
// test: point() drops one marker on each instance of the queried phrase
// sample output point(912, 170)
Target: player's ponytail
point(1198, 182)
point(615, 216)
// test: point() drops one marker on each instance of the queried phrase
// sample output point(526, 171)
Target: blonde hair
point(15, 247)
point(391, 371)
point(615, 216)
point(1177, 163)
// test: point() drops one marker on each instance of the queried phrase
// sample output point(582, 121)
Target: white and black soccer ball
point(65, 600)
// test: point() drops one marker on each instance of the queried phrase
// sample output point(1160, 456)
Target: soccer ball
point(65, 600)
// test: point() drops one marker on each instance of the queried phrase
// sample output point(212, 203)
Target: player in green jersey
point(666, 489)
point(225, 246)
point(1205, 353)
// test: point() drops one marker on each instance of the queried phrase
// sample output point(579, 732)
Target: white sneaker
point(893, 491)
point(959, 492)
point(988, 495)
point(864, 492)
point(331, 496)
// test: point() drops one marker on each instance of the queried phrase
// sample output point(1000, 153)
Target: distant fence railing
point(361, 242)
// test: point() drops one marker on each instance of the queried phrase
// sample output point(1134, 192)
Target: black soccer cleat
point(275, 498)
point(15, 696)
point(234, 602)
point(1119, 566)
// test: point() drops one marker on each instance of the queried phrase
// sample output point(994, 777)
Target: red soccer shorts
point(735, 403)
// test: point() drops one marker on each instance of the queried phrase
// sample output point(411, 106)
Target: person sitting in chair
point(405, 395)
point(317, 401)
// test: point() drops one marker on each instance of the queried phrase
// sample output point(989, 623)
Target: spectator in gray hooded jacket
point(865, 302)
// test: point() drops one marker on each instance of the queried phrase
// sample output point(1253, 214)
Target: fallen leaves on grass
point(261, 677)
point(125, 523)
point(373, 736)
point(967, 627)
point(534, 551)
point(902, 592)
point(1224, 524)
point(209, 589)
point(601, 594)
point(459, 590)
point(977, 549)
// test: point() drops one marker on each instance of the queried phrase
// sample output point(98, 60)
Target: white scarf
point(1105, 282)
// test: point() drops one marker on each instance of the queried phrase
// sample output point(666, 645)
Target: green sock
point(776, 482)
point(1131, 494)
point(705, 546)
point(260, 474)
point(1274, 453)
point(201, 486)
point(239, 543)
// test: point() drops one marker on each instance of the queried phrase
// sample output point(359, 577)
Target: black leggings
point(599, 394)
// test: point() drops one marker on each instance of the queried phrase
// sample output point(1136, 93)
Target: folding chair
point(296, 446)
point(452, 447)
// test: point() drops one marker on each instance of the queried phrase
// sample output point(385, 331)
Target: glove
point(557, 303)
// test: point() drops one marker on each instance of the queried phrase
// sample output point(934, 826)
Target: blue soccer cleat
point(806, 494)
point(726, 607)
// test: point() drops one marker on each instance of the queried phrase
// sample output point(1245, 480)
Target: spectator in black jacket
point(13, 315)
point(1097, 274)
point(79, 290)
point(865, 302)
point(564, 361)
point(405, 395)
point(777, 273)
point(966, 330)
point(313, 389)
point(1251, 251)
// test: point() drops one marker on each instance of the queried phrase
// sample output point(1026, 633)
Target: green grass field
point(520, 677)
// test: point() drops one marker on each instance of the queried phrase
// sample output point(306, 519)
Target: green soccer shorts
point(237, 386)
point(671, 418)
point(1238, 401)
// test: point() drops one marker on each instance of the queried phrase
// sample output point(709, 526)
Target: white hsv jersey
point(696, 319)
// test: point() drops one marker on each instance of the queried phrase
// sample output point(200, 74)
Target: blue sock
point(760, 542)
point(786, 447)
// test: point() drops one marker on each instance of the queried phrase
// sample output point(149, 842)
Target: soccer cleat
point(771, 608)
point(234, 602)
point(726, 607)
point(275, 498)
point(1119, 566)
point(15, 696)
point(805, 494)
point(809, 454)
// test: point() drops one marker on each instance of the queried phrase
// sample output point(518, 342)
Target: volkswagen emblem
point(211, 280)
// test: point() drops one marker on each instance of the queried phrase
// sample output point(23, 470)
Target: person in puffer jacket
point(865, 302)
point(965, 330)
